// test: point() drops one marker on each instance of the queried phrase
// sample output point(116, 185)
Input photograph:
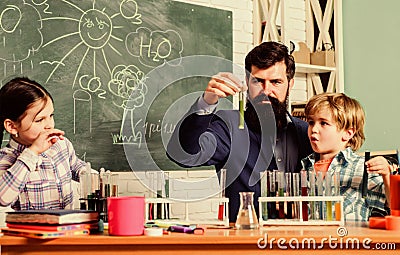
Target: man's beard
point(256, 111)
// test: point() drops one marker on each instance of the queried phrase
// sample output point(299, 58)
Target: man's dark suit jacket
point(215, 139)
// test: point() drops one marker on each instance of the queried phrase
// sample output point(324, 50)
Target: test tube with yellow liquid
point(336, 184)
point(328, 192)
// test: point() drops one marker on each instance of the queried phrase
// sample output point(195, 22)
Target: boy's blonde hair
point(346, 112)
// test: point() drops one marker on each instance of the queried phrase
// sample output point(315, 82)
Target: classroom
point(119, 98)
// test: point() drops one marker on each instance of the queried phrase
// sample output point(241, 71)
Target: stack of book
point(45, 224)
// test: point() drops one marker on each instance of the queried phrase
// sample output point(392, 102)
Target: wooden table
point(219, 242)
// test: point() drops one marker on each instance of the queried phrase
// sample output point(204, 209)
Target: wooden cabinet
point(314, 22)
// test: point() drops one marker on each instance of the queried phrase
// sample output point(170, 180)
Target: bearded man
point(272, 139)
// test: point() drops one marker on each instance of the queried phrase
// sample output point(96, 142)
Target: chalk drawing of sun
point(95, 36)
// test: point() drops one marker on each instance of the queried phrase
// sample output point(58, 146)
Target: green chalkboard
point(96, 58)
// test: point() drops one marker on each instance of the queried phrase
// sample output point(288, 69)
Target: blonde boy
point(336, 131)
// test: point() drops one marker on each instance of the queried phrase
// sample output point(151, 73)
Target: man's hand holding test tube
point(223, 85)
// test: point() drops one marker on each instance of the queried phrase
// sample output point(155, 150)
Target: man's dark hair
point(268, 54)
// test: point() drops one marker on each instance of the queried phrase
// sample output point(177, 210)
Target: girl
point(38, 164)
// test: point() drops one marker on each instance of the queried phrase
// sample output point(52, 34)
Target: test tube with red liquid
point(222, 183)
point(304, 192)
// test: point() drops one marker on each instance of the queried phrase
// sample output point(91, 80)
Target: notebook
point(52, 216)
point(44, 234)
point(46, 227)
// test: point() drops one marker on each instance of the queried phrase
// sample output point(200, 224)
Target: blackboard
point(95, 58)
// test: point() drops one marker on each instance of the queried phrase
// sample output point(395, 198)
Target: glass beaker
point(246, 218)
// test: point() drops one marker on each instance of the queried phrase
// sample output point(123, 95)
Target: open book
point(52, 216)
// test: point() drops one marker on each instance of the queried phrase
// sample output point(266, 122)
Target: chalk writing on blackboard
point(94, 57)
point(154, 47)
point(95, 29)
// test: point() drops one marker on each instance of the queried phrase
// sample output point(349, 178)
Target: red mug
point(395, 195)
point(125, 215)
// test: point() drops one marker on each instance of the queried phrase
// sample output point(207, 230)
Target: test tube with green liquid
point(264, 193)
point(289, 193)
point(320, 188)
point(241, 109)
point(281, 193)
point(328, 192)
point(272, 213)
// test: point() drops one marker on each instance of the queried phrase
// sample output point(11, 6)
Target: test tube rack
point(299, 220)
point(167, 202)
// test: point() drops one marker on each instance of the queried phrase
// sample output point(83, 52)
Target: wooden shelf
point(306, 68)
point(298, 103)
